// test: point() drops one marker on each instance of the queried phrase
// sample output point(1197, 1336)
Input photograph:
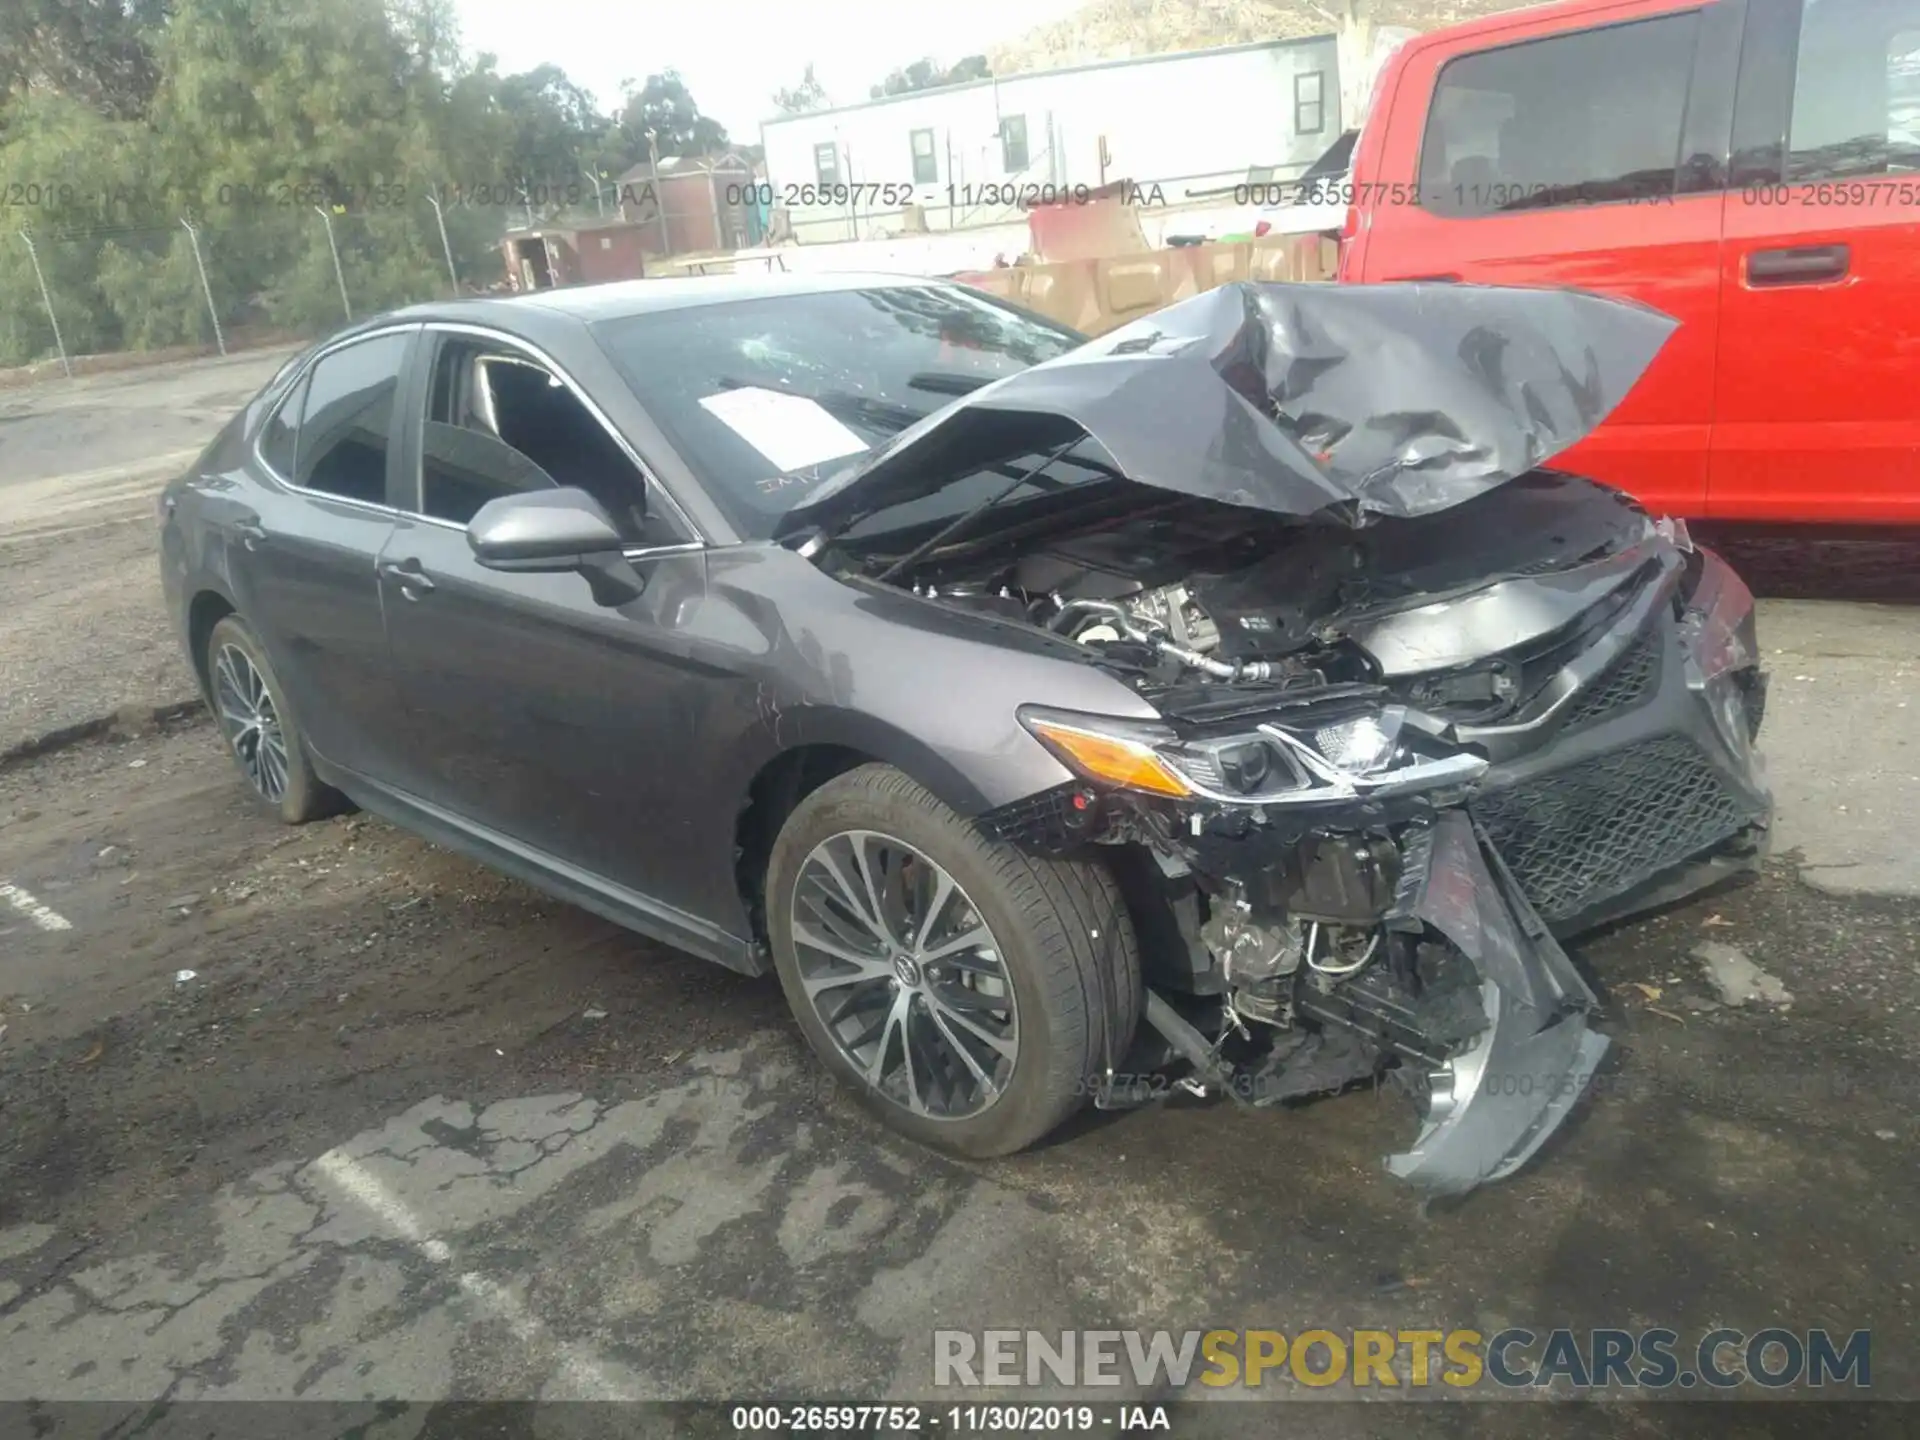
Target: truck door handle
point(1803, 265)
point(407, 574)
point(1445, 279)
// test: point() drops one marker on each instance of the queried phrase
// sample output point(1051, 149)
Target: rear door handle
point(407, 574)
point(1802, 265)
point(251, 533)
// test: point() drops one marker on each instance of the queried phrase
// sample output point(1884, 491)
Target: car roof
point(619, 299)
point(1445, 36)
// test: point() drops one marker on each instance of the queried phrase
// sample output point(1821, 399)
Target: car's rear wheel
point(970, 994)
point(261, 733)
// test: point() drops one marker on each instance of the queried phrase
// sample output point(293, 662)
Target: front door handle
point(1801, 265)
point(252, 534)
point(413, 581)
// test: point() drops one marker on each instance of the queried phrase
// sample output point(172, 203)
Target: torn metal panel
point(1496, 1105)
point(1493, 1105)
point(1500, 616)
point(1468, 895)
point(1301, 400)
point(1452, 978)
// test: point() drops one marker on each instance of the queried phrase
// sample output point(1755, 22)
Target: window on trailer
point(826, 163)
point(1310, 102)
point(926, 166)
point(1013, 144)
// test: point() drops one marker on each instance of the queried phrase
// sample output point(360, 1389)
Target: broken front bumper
point(1636, 784)
point(1490, 1102)
point(1628, 779)
point(1637, 781)
point(1491, 1106)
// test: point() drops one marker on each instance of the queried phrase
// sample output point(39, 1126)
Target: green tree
point(97, 52)
point(664, 106)
point(152, 289)
point(73, 167)
point(928, 74)
point(262, 121)
point(809, 94)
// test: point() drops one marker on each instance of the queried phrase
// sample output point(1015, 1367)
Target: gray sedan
point(1232, 704)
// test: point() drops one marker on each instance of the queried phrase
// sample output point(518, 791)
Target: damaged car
point(1236, 703)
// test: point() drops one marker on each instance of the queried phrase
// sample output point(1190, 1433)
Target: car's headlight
point(1272, 765)
point(1363, 745)
point(1109, 752)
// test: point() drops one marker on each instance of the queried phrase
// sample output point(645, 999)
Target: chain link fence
point(74, 298)
point(98, 296)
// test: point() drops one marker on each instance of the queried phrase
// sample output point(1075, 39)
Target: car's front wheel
point(971, 994)
point(260, 730)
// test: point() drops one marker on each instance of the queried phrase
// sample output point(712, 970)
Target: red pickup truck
point(1751, 167)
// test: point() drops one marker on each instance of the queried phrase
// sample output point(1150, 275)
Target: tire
point(287, 789)
point(1061, 939)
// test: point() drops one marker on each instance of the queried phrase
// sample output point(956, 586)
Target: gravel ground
point(80, 463)
point(364, 1005)
point(86, 633)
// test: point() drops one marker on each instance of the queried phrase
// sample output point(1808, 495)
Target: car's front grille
point(1631, 679)
point(1579, 836)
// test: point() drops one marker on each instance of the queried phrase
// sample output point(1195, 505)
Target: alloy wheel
point(251, 722)
point(904, 974)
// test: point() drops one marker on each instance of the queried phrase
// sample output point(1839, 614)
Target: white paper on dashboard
point(792, 431)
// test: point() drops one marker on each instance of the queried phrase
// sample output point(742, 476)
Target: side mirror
point(541, 530)
point(551, 532)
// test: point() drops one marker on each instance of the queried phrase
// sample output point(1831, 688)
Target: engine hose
point(1134, 629)
point(1219, 669)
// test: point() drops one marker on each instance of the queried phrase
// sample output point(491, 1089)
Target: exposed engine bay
point(1365, 734)
point(1189, 597)
point(1314, 819)
point(1419, 706)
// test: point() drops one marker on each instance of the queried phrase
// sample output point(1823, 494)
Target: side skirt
point(628, 908)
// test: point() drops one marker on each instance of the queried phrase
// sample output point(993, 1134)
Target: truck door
point(1592, 157)
point(1814, 413)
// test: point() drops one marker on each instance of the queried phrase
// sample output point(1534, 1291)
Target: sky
point(734, 54)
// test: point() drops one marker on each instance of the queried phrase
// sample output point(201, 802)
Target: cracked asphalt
point(330, 1114)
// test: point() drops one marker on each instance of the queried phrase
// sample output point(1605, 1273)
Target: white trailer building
point(1189, 123)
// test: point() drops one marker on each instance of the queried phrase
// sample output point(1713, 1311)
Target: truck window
point(1856, 90)
point(1574, 119)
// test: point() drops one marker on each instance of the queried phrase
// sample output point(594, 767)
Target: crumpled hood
point(1353, 400)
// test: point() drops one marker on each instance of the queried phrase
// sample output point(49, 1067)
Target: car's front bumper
point(1642, 784)
point(1492, 1105)
point(1629, 778)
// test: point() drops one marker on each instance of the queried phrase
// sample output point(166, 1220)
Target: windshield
point(765, 398)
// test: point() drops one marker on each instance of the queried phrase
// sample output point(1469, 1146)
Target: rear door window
point(347, 423)
point(1585, 118)
point(1856, 90)
point(278, 434)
